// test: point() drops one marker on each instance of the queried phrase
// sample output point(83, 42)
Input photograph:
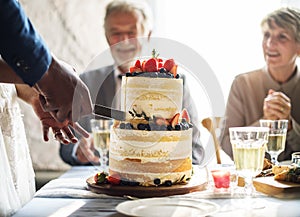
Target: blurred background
point(226, 34)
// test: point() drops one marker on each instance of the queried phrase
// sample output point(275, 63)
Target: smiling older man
point(124, 23)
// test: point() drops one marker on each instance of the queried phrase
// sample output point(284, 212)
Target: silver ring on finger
point(58, 133)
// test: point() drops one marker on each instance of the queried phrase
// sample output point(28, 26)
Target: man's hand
point(277, 106)
point(63, 94)
point(86, 151)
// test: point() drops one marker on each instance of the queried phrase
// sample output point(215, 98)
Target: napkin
point(68, 188)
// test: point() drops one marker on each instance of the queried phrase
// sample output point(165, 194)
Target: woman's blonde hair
point(286, 18)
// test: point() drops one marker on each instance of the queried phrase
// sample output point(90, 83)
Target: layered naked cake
point(151, 157)
point(154, 147)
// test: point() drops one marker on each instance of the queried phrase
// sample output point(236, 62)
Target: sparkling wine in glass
point(248, 145)
point(101, 137)
point(277, 137)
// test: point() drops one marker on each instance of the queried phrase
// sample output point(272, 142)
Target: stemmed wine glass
point(277, 137)
point(248, 145)
point(101, 136)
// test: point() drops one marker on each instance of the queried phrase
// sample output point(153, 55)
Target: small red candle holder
point(221, 178)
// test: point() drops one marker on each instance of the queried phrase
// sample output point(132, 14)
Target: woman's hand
point(61, 130)
point(277, 106)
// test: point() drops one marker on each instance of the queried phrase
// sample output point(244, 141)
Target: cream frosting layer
point(150, 146)
point(130, 165)
point(154, 96)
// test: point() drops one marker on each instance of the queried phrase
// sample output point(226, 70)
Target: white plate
point(174, 207)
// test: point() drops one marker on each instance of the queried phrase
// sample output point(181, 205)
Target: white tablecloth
point(67, 196)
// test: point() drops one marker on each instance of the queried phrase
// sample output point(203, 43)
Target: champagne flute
point(101, 136)
point(277, 137)
point(248, 145)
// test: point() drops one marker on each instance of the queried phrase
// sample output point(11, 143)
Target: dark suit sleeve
point(188, 103)
point(65, 152)
point(20, 44)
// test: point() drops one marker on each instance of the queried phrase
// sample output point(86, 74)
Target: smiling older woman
point(273, 91)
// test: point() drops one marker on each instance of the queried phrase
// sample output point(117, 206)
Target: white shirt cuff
point(74, 156)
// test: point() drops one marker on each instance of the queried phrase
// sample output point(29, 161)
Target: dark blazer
point(21, 46)
point(102, 86)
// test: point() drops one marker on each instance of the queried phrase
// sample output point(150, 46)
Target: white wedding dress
point(17, 184)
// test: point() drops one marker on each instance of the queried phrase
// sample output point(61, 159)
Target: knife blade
point(107, 112)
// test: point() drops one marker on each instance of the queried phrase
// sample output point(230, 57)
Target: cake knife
point(107, 112)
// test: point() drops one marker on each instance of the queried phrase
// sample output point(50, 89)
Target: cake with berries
point(154, 147)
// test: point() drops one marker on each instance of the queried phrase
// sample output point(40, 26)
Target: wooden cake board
point(198, 182)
